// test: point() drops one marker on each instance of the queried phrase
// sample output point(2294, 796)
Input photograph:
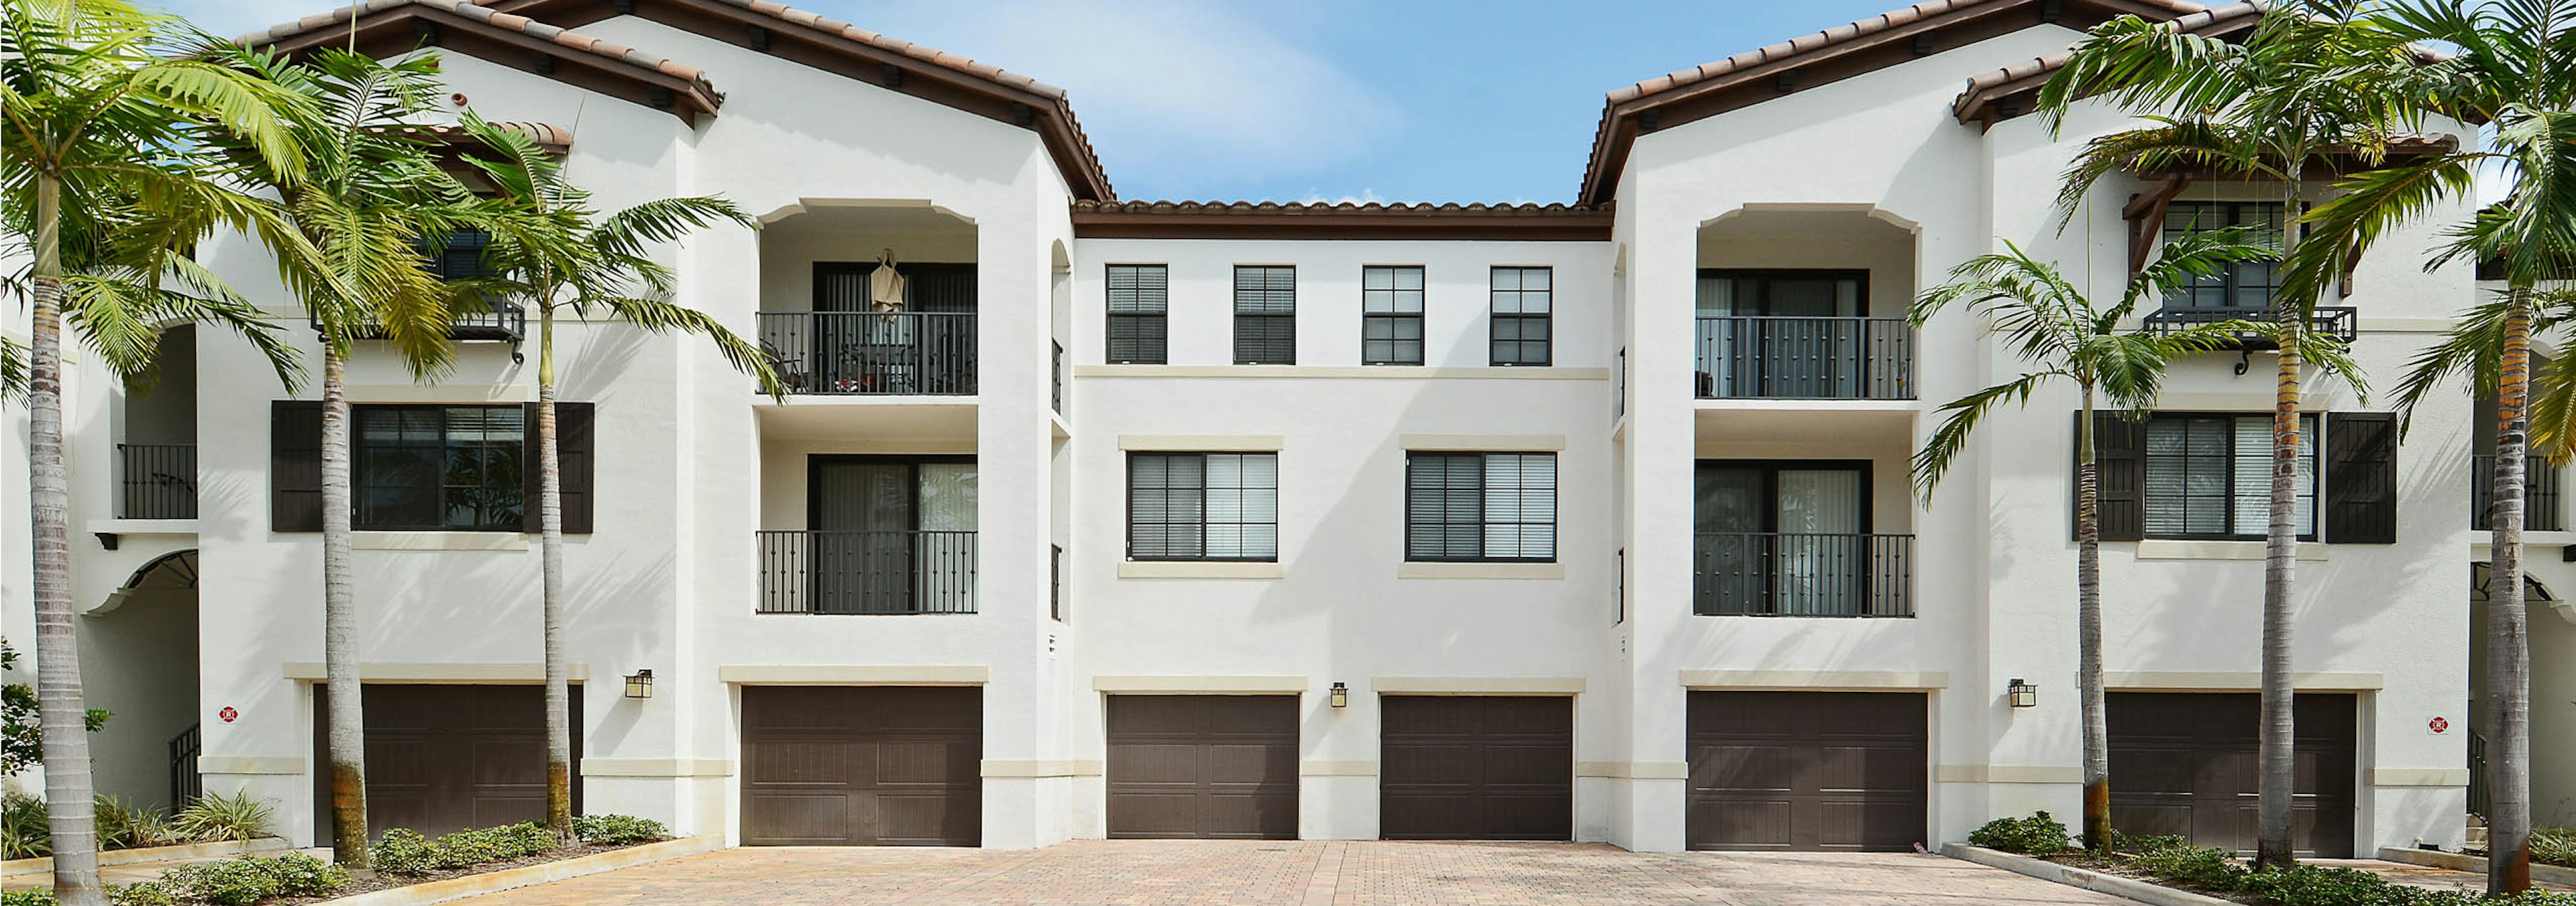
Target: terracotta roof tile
point(480, 11)
point(1982, 86)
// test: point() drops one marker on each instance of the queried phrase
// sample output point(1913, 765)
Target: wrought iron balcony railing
point(867, 572)
point(1802, 574)
point(886, 353)
point(1743, 357)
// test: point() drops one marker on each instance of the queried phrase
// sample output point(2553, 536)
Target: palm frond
point(1941, 450)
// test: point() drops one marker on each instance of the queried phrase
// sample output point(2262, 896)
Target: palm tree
point(2311, 81)
point(556, 252)
point(369, 197)
point(2512, 67)
point(104, 112)
point(2053, 326)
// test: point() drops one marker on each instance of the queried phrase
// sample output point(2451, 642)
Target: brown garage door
point(1807, 771)
point(2185, 764)
point(446, 758)
point(1475, 768)
point(862, 766)
point(1219, 766)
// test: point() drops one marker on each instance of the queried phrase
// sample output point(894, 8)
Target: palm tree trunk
point(59, 704)
point(2280, 555)
point(2508, 639)
point(550, 528)
point(2088, 635)
point(347, 721)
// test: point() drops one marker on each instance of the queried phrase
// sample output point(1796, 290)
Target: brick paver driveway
point(1233, 873)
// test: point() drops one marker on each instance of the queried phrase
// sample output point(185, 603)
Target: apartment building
point(1138, 519)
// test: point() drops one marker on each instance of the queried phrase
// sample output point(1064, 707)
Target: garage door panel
point(2189, 764)
point(444, 758)
point(862, 765)
point(1807, 770)
point(1212, 766)
point(1241, 763)
point(1473, 767)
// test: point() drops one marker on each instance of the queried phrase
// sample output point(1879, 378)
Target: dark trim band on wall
point(1272, 220)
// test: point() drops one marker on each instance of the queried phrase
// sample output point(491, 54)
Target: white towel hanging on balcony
point(885, 287)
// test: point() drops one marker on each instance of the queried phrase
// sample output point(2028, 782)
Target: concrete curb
point(2114, 885)
point(2550, 874)
point(506, 879)
point(112, 857)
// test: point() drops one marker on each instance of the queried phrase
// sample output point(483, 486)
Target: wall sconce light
point(1341, 696)
point(2024, 695)
point(640, 685)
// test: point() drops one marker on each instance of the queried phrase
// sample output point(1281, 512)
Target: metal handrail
point(156, 481)
point(866, 572)
point(1780, 357)
point(901, 353)
point(2340, 322)
point(2542, 486)
point(1808, 574)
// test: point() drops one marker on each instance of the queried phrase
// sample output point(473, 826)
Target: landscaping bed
point(2171, 863)
point(401, 859)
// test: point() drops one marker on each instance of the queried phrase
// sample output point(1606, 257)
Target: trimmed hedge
point(618, 830)
point(2037, 835)
point(405, 852)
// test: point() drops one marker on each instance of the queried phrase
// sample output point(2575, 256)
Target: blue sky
point(1395, 100)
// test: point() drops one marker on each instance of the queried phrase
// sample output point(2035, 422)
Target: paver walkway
point(1286, 873)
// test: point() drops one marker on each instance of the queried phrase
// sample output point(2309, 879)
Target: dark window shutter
point(294, 466)
point(574, 452)
point(2361, 478)
point(2120, 453)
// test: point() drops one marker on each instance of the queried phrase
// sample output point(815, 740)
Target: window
point(1055, 582)
point(2210, 476)
point(1522, 301)
point(1265, 315)
point(1391, 316)
point(1480, 507)
point(1137, 296)
point(461, 256)
point(2244, 284)
point(1203, 506)
point(439, 467)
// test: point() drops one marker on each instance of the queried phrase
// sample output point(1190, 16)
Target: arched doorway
point(139, 660)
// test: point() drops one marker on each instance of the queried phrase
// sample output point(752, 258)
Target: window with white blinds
point(1138, 296)
point(1391, 316)
point(2210, 476)
point(1203, 506)
point(1481, 507)
point(1265, 315)
point(1522, 303)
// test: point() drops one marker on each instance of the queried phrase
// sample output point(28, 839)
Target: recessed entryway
point(2186, 764)
point(862, 765)
point(1807, 771)
point(1213, 766)
point(1472, 767)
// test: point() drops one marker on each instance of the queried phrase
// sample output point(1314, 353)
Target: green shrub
point(2037, 835)
point(618, 830)
point(25, 831)
point(215, 816)
point(121, 826)
point(36, 897)
point(2317, 885)
point(2173, 859)
point(243, 880)
point(2554, 846)
point(148, 893)
point(403, 852)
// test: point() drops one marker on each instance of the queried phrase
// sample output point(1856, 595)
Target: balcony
point(867, 572)
point(1845, 358)
point(1802, 574)
point(2343, 323)
point(872, 353)
point(2542, 510)
point(156, 481)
